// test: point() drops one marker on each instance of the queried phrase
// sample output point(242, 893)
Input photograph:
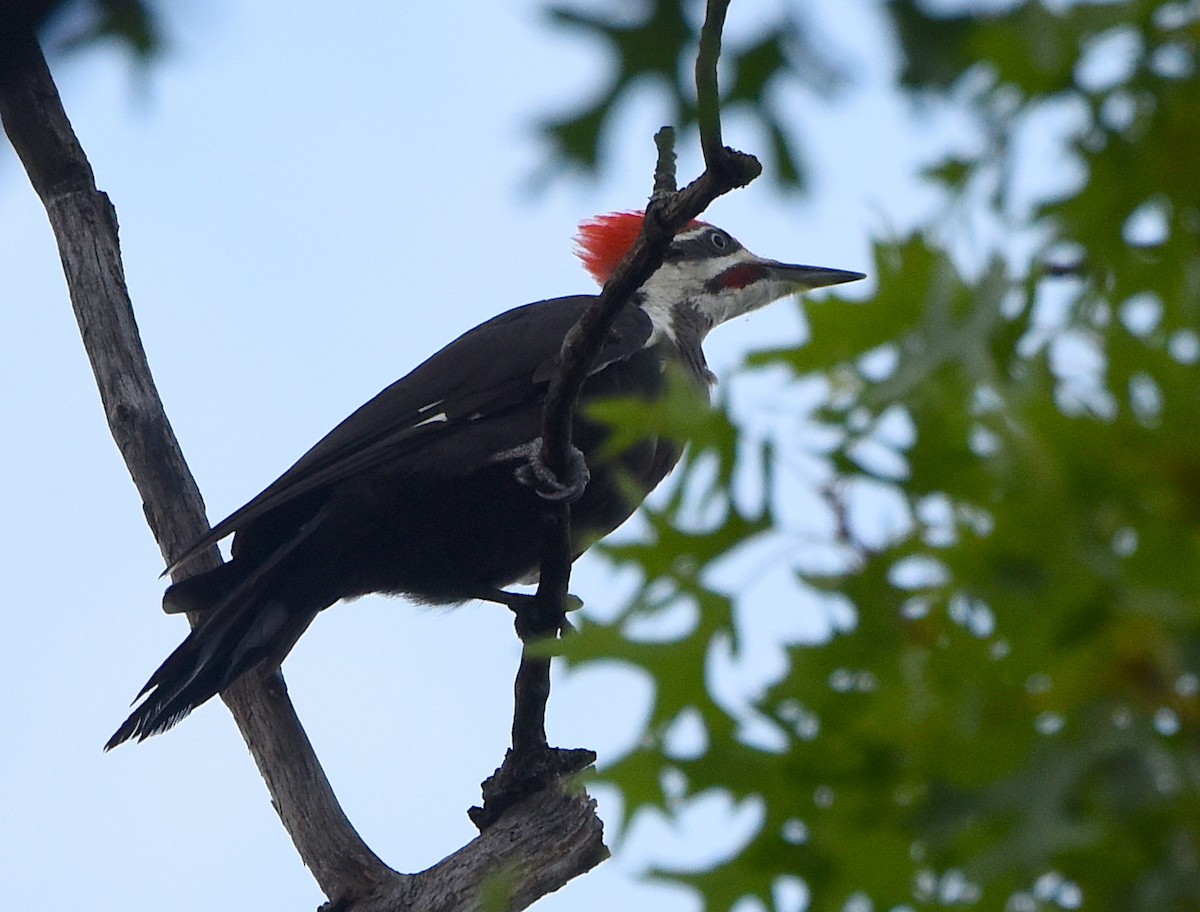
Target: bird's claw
point(516, 601)
point(536, 474)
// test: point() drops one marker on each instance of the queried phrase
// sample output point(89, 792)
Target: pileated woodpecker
point(424, 491)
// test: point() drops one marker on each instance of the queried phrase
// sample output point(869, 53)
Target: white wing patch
point(432, 419)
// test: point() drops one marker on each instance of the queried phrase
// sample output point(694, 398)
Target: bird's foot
point(536, 474)
point(523, 602)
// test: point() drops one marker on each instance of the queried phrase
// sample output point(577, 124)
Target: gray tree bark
point(539, 844)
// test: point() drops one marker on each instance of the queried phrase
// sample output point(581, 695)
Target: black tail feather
point(233, 640)
point(243, 626)
point(241, 629)
point(204, 591)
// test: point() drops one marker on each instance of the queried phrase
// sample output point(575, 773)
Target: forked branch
point(535, 842)
point(531, 761)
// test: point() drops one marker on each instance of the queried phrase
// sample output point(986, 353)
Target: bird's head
point(706, 278)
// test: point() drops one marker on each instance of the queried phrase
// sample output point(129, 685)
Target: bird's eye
point(718, 239)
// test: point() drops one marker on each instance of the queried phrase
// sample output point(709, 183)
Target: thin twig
point(665, 181)
point(1066, 269)
point(708, 94)
point(531, 760)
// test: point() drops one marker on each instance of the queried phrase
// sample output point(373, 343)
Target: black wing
point(486, 369)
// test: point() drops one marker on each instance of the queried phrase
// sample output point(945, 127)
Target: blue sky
point(311, 203)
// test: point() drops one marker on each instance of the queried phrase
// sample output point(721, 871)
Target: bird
point(426, 491)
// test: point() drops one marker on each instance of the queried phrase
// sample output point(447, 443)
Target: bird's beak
point(805, 278)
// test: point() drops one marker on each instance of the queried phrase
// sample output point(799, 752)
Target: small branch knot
point(521, 776)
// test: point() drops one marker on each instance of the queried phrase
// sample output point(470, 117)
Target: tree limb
point(531, 761)
point(533, 843)
point(540, 844)
point(543, 843)
point(85, 227)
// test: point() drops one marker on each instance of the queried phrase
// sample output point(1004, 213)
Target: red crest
point(603, 241)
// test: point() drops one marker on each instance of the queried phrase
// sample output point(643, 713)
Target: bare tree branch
point(542, 844)
point(531, 762)
point(539, 845)
point(708, 94)
point(532, 843)
point(665, 181)
point(85, 227)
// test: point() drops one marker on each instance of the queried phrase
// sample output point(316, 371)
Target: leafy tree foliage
point(1005, 714)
